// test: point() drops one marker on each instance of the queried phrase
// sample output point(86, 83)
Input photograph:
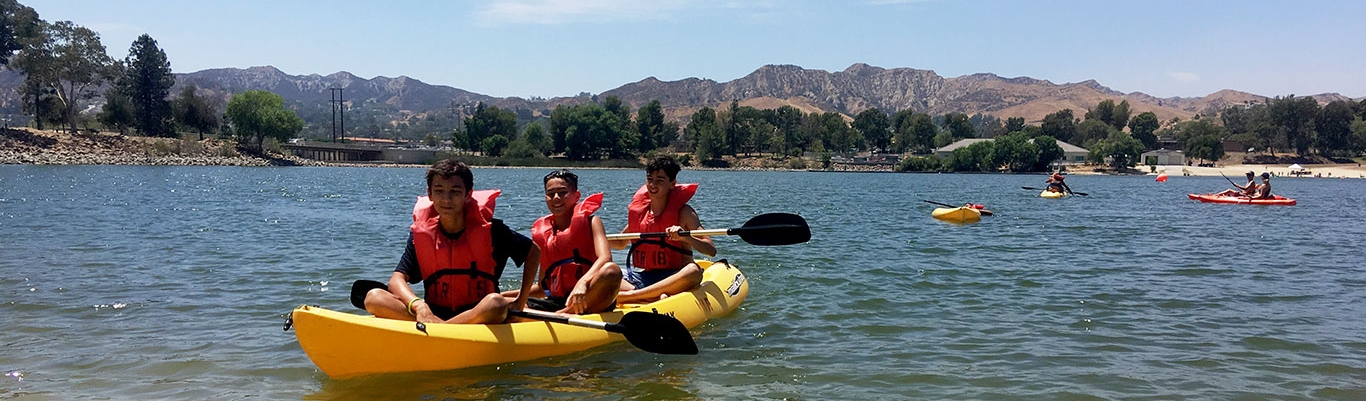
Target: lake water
point(130, 282)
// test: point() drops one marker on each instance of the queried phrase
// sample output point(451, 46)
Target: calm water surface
point(173, 282)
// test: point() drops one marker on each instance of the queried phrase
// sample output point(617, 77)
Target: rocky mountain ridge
point(856, 88)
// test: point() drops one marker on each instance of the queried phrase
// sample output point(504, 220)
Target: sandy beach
point(1279, 170)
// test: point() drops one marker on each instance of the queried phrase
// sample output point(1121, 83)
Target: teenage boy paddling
point(578, 275)
point(662, 205)
point(457, 250)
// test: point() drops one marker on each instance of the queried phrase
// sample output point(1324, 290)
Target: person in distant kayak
point(666, 265)
point(1248, 190)
point(1264, 190)
point(457, 250)
point(1057, 183)
point(577, 272)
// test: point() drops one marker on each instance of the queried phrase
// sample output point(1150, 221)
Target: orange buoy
point(1162, 177)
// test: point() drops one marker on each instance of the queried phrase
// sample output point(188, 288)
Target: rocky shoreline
point(29, 146)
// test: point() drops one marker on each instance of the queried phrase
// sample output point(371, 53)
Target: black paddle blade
point(774, 229)
point(653, 332)
point(360, 288)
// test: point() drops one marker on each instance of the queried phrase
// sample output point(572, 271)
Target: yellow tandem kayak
point(346, 345)
point(962, 214)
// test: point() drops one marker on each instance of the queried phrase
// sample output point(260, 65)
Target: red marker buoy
point(1162, 177)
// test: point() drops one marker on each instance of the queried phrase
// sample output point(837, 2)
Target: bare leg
point(603, 289)
point(687, 278)
point(490, 310)
point(382, 303)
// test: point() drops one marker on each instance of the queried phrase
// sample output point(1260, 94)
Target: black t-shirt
point(506, 244)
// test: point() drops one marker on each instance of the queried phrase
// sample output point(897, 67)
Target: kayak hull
point(1052, 195)
point(345, 345)
point(1275, 200)
point(962, 214)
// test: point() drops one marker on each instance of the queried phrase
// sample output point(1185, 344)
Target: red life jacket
point(657, 253)
point(458, 273)
point(566, 255)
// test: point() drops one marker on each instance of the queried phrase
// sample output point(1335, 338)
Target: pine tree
point(147, 82)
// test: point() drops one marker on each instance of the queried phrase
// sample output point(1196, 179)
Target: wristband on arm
point(410, 306)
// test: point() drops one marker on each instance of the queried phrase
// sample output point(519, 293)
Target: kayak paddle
point(651, 332)
point(1040, 189)
point(765, 229)
point(984, 211)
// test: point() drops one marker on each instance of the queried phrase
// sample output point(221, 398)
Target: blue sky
point(554, 48)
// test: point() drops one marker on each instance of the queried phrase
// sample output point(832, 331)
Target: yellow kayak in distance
point(962, 214)
point(1052, 195)
point(345, 345)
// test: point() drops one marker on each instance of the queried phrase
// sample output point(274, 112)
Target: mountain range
point(848, 92)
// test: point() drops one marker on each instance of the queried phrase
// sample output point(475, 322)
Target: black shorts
point(550, 304)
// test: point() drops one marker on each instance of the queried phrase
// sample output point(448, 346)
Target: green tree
point(195, 112)
point(18, 25)
point(493, 145)
point(1359, 134)
point(536, 138)
point(521, 149)
point(1334, 129)
point(117, 112)
point(1116, 116)
point(1091, 131)
point(1121, 116)
point(590, 132)
point(69, 60)
point(257, 114)
point(147, 81)
point(1185, 130)
point(1049, 152)
point(624, 135)
point(875, 127)
point(1015, 151)
point(987, 126)
point(488, 121)
point(1122, 149)
point(1293, 119)
point(922, 132)
point(788, 121)
point(708, 137)
point(958, 126)
point(650, 126)
point(1015, 124)
point(1142, 127)
point(1206, 147)
point(1059, 125)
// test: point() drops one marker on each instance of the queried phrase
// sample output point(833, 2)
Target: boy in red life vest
point(577, 272)
point(457, 250)
point(667, 266)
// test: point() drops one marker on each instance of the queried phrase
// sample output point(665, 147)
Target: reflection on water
point(172, 282)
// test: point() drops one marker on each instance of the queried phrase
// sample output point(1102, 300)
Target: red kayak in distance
point(1238, 200)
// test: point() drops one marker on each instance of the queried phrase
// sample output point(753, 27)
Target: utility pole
point(338, 106)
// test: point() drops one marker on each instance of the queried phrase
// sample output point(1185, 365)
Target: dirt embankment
point(29, 146)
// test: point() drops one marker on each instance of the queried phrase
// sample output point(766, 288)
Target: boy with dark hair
point(666, 266)
point(577, 272)
point(457, 250)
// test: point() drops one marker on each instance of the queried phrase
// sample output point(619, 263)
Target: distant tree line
point(65, 64)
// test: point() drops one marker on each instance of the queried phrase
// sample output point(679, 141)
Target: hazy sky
point(553, 48)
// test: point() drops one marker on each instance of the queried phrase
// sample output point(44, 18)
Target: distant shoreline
point(26, 146)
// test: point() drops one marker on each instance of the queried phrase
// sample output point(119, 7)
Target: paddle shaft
point(984, 211)
point(1038, 189)
point(693, 233)
point(1230, 180)
point(551, 317)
